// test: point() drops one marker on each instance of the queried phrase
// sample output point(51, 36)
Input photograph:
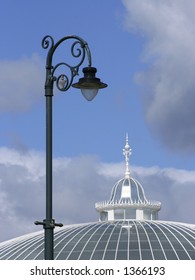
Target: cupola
point(128, 200)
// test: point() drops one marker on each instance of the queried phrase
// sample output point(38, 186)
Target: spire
point(127, 153)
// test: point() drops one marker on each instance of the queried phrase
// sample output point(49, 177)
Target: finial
point(127, 153)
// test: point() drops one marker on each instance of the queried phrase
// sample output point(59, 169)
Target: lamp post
point(89, 86)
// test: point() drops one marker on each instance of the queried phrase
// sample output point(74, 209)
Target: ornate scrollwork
point(47, 40)
point(79, 49)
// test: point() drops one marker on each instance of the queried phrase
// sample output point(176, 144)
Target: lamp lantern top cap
point(89, 81)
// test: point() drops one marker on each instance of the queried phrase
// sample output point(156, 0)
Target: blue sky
point(144, 52)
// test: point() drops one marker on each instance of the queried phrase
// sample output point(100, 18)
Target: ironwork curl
point(47, 40)
point(79, 49)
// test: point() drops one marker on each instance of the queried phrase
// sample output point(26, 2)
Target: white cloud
point(21, 83)
point(168, 29)
point(77, 184)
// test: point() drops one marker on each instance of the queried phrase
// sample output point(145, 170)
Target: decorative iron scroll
point(79, 49)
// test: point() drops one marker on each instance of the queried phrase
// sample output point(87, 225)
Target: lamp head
point(89, 84)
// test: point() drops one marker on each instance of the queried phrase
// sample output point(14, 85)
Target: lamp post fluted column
point(89, 86)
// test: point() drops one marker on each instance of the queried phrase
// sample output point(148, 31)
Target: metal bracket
point(48, 224)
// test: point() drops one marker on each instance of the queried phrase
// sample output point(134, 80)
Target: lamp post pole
point(89, 86)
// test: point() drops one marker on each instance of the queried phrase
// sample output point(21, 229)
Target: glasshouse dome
point(128, 229)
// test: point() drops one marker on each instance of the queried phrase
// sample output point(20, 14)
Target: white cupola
point(128, 200)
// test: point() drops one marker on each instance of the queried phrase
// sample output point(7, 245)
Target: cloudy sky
point(144, 51)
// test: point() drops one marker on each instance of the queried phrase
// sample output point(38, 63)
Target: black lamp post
point(89, 86)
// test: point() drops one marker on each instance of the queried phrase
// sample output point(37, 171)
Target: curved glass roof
point(118, 240)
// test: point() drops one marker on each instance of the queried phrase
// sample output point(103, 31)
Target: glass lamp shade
point(89, 94)
point(89, 84)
